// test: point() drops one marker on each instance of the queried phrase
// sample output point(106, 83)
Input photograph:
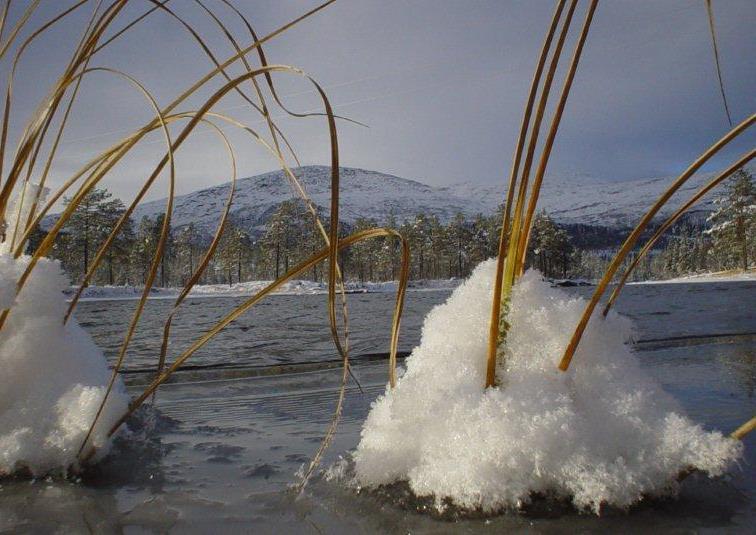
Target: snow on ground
point(295, 287)
point(601, 433)
point(719, 276)
point(53, 375)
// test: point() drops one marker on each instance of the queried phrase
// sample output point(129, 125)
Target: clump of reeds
point(40, 142)
point(38, 147)
point(522, 192)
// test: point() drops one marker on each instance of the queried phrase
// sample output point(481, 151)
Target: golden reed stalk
point(671, 220)
point(62, 96)
point(635, 234)
point(515, 234)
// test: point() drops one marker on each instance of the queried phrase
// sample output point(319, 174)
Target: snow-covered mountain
point(363, 193)
point(573, 199)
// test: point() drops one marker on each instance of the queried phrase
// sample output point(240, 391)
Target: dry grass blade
point(493, 336)
point(714, 182)
point(302, 267)
point(206, 49)
point(125, 145)
point(549, 143)
point(635, 234)
point(130, 25)
point(47, 108)
point(186, 131)
point(160, 248)
point(50, 105)
point(61, 127)
point(269, 78)
point(105, 246)
point(258, 43)
point(275, 132)
point(744, 429)
point(710, 16)
point(30, 9)
point(11, 76)
point(4, 18)
point(511, 267)
point(194, 278)
point(395, 325)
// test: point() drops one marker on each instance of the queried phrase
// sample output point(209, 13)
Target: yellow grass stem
point(297, 270)
point(546, 151)
point(206, 49)
point(710, 16)
point(494, 326)
point(274, 132)
point(4, 18)
point(49, 105)
point(511, 268)
point(61, 127)
point(160, 248)
point(744, 429)
point(635, 234)
point(30, 9)
point(208, 253)
point(12, 74)
point(671, 221)
point(333, 256)
point(105, 246)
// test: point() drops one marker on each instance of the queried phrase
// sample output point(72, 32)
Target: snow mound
point(53, 376)
point(602, 433)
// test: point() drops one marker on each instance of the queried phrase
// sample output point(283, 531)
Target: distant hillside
point(570, 200)
point(363, 194)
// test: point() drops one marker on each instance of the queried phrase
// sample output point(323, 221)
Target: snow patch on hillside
point(371, 194)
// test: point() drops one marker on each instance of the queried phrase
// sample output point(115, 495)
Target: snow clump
point(53, 375)
point(604, 432)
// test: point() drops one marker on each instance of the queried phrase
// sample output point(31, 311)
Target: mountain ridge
point(376, 195)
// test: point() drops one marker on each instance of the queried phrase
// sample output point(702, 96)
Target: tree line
point(727, 240)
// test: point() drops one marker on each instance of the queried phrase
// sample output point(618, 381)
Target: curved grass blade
point(49, 119)
point(157, 258)
point(549, 143)
point(195, 119)
point(671, 221)
point(495, 322)
point(300, 268)
point(635, 234)
point(710, 16)
point(30, 9)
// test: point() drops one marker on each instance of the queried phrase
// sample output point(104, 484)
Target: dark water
point(222, 453)
point(290, 329)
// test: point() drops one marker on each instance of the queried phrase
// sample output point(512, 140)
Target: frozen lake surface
point(225, 447)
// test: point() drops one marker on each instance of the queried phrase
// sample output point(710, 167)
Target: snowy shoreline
point(718, 276)
point(296, 287)
point(303, 287)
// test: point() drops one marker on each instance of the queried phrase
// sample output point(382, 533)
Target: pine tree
point(89, 225)
point(188, 250)
point(145, 248)
point(283, 235)
point(733, 228)
point(549, 246)
point(233, 252)
point(459, 236)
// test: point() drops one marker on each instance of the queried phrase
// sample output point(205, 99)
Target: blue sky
point(440, 83)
